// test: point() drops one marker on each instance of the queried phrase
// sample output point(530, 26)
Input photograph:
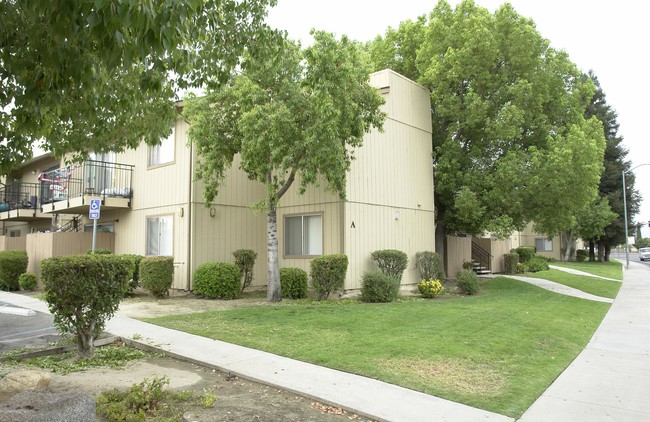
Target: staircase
point(73, 225)
point(481, 260)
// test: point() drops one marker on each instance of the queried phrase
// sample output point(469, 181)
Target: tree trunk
point(592, 253)
point(601, 250)
point(568, 242)
point(608, 251)
point(85, 345)
point(440, 235)
point(273, 292)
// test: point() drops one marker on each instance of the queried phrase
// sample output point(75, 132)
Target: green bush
point(245, 260)
point(468, 265)
point(328, 274)
point(510, 261)
point(525, 253)
point(582, 255)
point(217, 280)
point(377, 286)
point(293, 283)
point(429, 265)
point(100, 251)
point(13, 263)
point(83, 292)
point(27, 281)
point(156, 274)
point(467, 282)
point(430, 288)
point(390, 262)
point(522, 268)
point(135, 279)
point(537, 264)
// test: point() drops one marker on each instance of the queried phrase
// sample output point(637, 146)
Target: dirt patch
point(236, 399)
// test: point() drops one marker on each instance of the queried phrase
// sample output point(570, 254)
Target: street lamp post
point(627, 246)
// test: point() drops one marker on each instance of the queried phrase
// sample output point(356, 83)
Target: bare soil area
point(236, 399)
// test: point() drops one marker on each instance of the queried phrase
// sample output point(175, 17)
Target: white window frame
point(548, 244)
point(317, 246)
point(163, 153)
point(164, 232)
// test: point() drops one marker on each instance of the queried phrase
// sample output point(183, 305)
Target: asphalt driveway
point(19, 331)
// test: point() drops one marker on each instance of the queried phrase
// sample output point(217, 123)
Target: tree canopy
point(76, 74)
point(509, 134)
point(291, 114)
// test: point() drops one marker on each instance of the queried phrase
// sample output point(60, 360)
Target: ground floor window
point(543, 245)
point(160, 235)
point(303, 235)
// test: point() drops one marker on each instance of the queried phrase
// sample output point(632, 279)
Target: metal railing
point(483, 257)
point(89, 177)
point(19, 195)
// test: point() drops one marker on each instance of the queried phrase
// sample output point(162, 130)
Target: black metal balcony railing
point(19, 196)
point(98, 178)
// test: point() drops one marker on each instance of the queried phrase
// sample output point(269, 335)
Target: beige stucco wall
point(46, 245)
point(527, 238)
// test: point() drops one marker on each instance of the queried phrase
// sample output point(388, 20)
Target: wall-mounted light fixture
point(213, 212)
point(181, 212)
point(34, 172)
point(396, 215)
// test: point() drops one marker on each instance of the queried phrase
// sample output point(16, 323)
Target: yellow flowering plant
point(430, 288)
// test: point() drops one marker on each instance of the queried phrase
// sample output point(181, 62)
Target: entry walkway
point(578, 272)
point(609, 380)
point(559, 288)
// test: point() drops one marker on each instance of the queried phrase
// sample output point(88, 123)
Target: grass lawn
point(611, 269)
point(595, 286)
point(498, 350)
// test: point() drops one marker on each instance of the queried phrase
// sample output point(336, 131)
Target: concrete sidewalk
point(610, 379)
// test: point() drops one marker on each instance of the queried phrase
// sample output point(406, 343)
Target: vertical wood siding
point(459, 249)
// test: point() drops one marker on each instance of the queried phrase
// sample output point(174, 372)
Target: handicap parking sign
point(95, 204)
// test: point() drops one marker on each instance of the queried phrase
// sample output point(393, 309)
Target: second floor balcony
point(20, 202)
point(69, 189)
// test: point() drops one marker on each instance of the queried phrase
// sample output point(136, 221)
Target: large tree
point(102, 74)
point(611, 183)
point(291, 114)
point(509, 133)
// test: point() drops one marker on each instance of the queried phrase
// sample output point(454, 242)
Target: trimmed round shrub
point(526, 253)
point(429, 265)
point(467, 282)
point(522, 268)
point(377, 286)
point(390, 262)
point(293, 283)
point(27, 281)
point(245, 260)
point(83, 292)
point(156, 274)
point(13, 263)
point(537, 264)
point(510, 263)
point(328, 274)
point(135, 280)
point(582, 255)
point(430, 288)
point(217, 280)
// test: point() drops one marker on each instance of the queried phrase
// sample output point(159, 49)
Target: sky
point(608, 37)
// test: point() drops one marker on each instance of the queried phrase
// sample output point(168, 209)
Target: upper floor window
point(303, 235)
point(163, 153)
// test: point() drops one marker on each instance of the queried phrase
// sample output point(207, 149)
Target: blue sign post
point(95, 205)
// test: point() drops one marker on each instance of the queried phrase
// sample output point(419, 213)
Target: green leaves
point(290, 113)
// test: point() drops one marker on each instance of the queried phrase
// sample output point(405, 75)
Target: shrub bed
point(293, 283)
point(156, 273)
point(377, 286)
point(13, 263)
point(217, 280)
point(328, 274)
